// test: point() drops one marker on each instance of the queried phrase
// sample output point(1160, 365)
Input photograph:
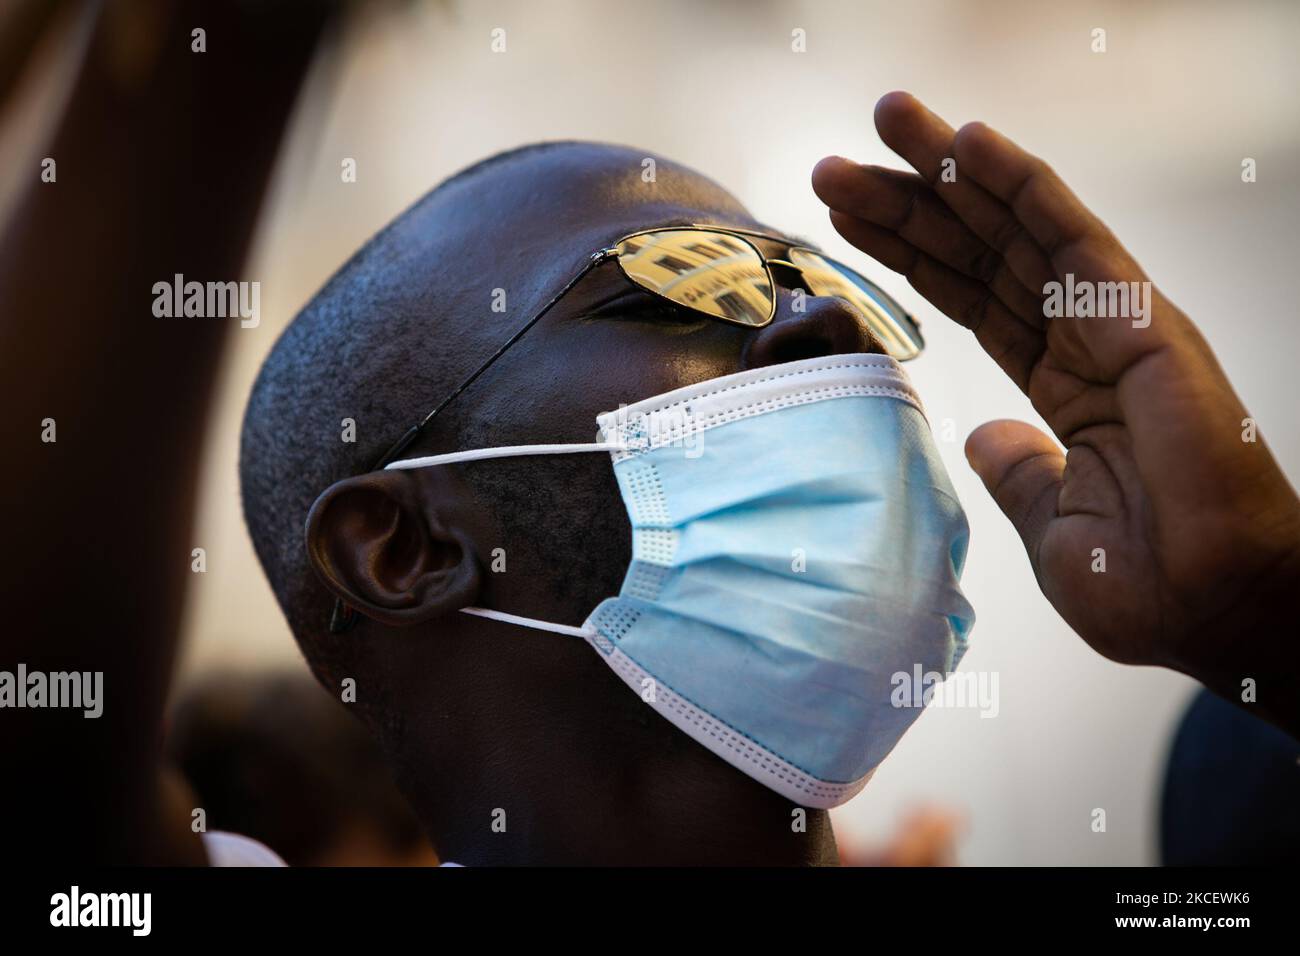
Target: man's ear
point(382, 543)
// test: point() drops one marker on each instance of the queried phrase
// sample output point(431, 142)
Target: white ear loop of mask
point(508, 451)
point(512, 451)
point(530, 622)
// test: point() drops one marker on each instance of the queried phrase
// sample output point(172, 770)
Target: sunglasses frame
point(343, 617)
point(612, 252)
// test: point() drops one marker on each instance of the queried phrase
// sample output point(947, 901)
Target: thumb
point(1021, 467)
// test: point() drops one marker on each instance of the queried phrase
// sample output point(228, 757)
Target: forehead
point(529, 223)
point(576, 198)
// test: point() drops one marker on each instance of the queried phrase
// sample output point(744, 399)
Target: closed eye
point(637, 304)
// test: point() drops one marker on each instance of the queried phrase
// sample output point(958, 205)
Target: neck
point(678, 805)
point(545, 757)
point(580, 834)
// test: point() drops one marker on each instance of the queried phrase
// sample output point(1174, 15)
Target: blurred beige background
point(1151, 134)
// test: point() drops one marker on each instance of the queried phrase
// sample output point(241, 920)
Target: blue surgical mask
point(796, 544)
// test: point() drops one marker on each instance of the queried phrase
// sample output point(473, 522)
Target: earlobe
point(381, 543)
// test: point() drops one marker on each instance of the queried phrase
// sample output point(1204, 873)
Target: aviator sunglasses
point(730, 275)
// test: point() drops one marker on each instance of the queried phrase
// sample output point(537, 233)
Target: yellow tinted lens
point(711, 272)
point(896, 332)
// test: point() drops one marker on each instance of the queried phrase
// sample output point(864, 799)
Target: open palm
point(1165, 533)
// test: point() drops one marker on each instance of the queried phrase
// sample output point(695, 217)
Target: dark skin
point(1201, 528)
point(99, 566)
point(536, 724)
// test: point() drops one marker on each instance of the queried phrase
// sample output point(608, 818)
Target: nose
point(824, 326)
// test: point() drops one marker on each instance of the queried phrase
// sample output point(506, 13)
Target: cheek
point(563, 517)
point(563, 525)
point(590, 367)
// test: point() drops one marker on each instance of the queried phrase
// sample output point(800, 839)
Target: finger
point(906, 205)
point(1050, 212)
point(1022, 469)
point(1077, 242)
point(925, 141)
point(1009, 340)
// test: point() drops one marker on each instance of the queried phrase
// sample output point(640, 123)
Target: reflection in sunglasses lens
point(709, 272)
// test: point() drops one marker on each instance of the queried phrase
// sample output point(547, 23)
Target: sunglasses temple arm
point(505, 346)
point(343, 617)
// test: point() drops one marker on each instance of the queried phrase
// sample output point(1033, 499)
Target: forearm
point(162, 163)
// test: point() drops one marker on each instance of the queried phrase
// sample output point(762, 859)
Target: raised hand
point(1163, 477)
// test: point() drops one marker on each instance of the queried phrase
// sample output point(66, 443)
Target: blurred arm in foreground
point(163, 156)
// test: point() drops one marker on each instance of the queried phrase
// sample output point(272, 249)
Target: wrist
point(1250, 655)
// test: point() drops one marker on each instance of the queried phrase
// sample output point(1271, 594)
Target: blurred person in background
point(273, 757)
point(926, 835)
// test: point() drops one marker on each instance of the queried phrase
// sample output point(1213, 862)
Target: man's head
point(479, 717)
